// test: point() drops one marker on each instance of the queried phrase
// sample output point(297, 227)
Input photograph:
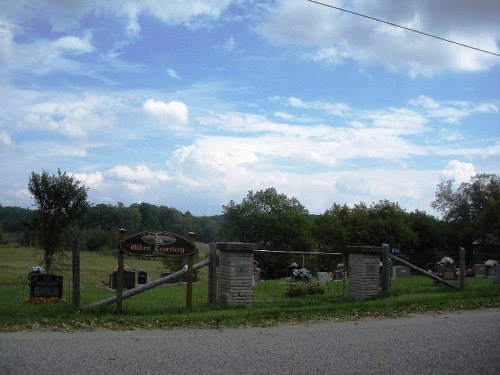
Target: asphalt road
point(467, 342)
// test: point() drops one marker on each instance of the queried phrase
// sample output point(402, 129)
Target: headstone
point(324, 277)
point(142, 277)
point(45, 285)
point(402, 272)
point(479, 269)
point(128, 279)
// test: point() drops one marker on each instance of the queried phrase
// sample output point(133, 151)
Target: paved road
point(452, 343)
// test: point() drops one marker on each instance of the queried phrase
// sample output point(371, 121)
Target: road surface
point(466, 342)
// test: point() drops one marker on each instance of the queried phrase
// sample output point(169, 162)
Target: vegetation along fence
point(285, 276)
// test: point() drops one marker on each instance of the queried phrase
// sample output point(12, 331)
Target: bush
point(300, 288)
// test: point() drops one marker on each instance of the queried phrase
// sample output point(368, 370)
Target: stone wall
point(363, 275)
point(235, 273)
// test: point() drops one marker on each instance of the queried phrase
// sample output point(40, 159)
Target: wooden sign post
point(155, 244)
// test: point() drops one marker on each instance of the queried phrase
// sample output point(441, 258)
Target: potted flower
point(489, 266)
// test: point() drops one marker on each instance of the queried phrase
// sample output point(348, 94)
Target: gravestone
point(479, 269)
point(324, 277)
point(45, 285)
point(402, 271)
point(142, 277)
point(128, 279)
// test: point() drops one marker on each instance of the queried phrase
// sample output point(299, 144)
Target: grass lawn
point(164, 306)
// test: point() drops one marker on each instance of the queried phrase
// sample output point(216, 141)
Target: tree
point(473, 208)
point(61, 200)
point(330, 228)
point(269, 219)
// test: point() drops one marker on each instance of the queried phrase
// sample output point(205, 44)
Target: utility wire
point(403, 27)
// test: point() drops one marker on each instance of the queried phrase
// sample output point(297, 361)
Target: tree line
point(470, 213)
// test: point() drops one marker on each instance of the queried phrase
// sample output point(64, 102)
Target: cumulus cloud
point(339, 36)
point(72, 116)
point(75, 44)
point(90, 180)
point(459, 171)
point(171, 115)
point(136, 179)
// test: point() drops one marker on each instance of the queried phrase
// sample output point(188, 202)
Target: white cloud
point(72, 116)
point(90, 180)
point(229, 44)
point(138, 179)
point(459, 171)
point(75, 44)
point(339, 36)
point(5, 141)
point(172, 74)
point(171, 114)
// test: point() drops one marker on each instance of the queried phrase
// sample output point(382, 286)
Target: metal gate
point(298, 276)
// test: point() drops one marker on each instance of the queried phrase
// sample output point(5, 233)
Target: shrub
point(297, 289)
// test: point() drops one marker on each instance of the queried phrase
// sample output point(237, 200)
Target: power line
point(404, 27)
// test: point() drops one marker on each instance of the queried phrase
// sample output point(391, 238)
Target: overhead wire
point(402, 27)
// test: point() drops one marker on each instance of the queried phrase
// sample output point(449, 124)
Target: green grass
point(164, 306)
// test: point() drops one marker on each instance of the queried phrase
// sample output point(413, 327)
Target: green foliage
point(472, 210)
point(301, 288)
point(269, 219)
point(60, 200)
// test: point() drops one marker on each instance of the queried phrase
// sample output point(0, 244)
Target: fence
point(96, 277)
point(275, 281)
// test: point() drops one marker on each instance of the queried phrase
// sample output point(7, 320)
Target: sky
point(192, 104)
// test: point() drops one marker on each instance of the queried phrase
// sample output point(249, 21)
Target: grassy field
point(164, 306)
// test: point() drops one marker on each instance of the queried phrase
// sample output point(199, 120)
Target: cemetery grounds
point(164, 306)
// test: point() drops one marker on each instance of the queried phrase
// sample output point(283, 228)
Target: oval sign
point(157, 244)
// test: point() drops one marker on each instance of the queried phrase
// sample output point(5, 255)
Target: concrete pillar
point(364, 276)
point(235, 273)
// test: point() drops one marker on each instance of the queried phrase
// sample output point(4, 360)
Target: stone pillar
point(235, 273)
point(364, 265)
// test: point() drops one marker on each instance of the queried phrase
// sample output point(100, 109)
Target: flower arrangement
point(490, 263)
point(36, 269)
point(302, 274)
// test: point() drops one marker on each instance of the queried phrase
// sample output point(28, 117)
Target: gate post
point(212, 274)
point(236, 273)
point(364, 267)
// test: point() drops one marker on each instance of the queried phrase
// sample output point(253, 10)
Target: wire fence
point(283, 276)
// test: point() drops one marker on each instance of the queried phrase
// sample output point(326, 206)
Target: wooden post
point(153, 284)
point(212, 274)
point(386, 270)
point(119, 274)
point(189, 291)
point(462, 268)
point(76, 273)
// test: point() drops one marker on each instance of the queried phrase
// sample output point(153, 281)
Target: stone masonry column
point(364, 265)
point(235, 273)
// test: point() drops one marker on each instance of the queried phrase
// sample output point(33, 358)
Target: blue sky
point(191, 104)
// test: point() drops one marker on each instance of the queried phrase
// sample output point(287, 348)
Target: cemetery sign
point(157, 244)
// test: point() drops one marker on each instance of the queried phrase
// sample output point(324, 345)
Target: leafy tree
point(269, 219)
point(273, 221)
point(430, 232)
point(330, 230)
point(60, 200)
point(388, 224)
point(472, 210)
point(474, 207)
